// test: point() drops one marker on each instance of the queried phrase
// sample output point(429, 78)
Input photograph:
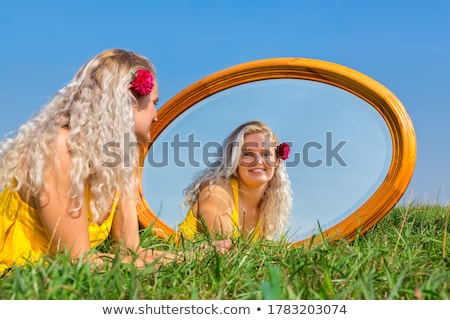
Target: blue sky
point(405, 45)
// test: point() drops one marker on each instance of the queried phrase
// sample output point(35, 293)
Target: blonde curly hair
point(96, 107)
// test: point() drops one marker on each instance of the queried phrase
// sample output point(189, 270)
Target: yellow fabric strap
point(235, 214)
point(256, 233)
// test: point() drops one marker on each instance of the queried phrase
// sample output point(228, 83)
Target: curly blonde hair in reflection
point(276, 206)
point(96, 108)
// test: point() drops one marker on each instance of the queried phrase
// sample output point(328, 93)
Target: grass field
point(405, 256)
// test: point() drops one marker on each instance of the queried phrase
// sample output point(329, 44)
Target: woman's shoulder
point(62, 144)
point(218, 188)
point(62, 136)
point(219, 183)
point(214, 198)
point(59, 160)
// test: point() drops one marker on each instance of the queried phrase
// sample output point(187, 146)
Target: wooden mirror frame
point(383, 100)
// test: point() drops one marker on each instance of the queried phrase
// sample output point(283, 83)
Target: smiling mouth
point(257, 170)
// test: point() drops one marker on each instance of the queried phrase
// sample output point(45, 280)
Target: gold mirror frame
point(383, 100)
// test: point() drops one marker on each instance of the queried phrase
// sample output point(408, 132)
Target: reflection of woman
point(248, 193)
point(68, 176)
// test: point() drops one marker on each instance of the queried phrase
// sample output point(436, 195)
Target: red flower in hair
point(283, 150)
point(142, 82)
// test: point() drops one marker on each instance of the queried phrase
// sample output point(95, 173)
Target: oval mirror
point(353, 144)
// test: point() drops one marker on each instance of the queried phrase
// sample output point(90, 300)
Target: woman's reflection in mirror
point(247, 193)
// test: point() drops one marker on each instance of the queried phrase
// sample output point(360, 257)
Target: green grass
point(405, 256)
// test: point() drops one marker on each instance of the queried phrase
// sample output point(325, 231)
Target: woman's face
point(258, 159)
point(145, 114)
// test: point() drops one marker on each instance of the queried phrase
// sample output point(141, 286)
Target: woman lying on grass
point(68, 177)
point(247, 194)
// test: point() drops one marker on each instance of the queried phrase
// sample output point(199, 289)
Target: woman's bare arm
point(125, 231)
point(215, 207)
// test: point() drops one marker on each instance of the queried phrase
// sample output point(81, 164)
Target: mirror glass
point(341, 148)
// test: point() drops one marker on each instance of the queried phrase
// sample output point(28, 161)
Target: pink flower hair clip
point(141, 82)
point(283, 150)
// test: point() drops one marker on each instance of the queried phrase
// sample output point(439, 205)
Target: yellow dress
point(23, 237)
point(191, 225)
